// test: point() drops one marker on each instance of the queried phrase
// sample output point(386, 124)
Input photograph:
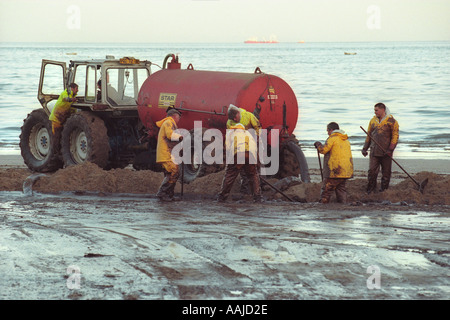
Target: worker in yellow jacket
point(61, 111)
point(384, 129)
point(167, 138)
point(239, 115)
point(241, 158)
point(249, 121)
point(338, 163)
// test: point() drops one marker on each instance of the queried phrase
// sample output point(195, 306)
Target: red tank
point(205, 96)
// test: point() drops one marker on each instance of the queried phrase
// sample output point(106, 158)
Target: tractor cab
point(107, 120)
point(103, 85)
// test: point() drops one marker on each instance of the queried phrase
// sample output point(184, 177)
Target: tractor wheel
point(36, 143)
point(85, 138)
point(193, 169)
point(293, 162)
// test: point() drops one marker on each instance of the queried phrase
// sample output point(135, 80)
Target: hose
point(166, 58)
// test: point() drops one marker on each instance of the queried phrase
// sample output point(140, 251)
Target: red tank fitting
point(174, 64)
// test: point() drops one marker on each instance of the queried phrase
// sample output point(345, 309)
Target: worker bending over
point(242, 150)
point(167, 139)
point(249, 121)
point(338, 163)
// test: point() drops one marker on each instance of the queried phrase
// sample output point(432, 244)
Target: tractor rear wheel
point(85, 139)
point(36, 143)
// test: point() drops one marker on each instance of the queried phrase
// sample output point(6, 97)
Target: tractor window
point(91, 83)
point(123, 85)
point(53, 81)
point(80, 80)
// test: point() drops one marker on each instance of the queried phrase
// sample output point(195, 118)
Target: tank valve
point(173, 64)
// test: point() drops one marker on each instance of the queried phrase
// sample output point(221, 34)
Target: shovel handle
point(182, 179)
point(276, 189)
point(320, 164)
point(382, 149)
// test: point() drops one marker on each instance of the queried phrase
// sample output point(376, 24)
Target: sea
point(411, 78)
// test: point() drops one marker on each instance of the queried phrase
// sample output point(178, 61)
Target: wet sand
point(89, 178)
point(361, 164)
point(85, 233)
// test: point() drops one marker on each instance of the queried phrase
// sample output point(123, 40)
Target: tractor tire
point(192, 170)
point(36, 143)
point(293, 162)
point(85, 139)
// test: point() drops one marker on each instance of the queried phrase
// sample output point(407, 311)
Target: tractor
point(114, 125)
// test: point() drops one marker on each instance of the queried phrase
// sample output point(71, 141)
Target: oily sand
point(89, 177)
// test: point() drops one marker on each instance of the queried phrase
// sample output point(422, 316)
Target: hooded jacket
point(384, 131)
point(338, 160)
point(165, 136)
point(62, 108)
point(248, 119)
point(239, 141)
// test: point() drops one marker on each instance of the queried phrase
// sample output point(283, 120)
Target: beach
point(439, 166)
point(84, 233)
point(90, 178)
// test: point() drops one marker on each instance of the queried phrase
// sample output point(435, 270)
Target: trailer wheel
point(36, 143)
point(193, 170)
point(293, 162)
point(85, 138)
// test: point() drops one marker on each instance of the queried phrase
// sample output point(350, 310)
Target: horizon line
point(206, 42)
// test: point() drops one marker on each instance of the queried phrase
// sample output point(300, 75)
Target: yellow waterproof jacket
point(385, 132)
point(165, 135)
point(338, 162)
point(62, 108)
point(249, 121)
point(239, 140)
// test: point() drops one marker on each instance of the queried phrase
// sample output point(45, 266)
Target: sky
point(223, 21)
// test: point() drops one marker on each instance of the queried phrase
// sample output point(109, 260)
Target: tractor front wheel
point(39, 151)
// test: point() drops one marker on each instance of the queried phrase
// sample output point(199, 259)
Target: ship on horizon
point(255, 40)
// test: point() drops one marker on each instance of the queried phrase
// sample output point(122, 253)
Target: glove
point(317, 144)
point(364, 152)
point(391, 148)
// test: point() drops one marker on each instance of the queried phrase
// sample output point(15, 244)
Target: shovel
point(320, 164)
point(420, 185)
point(276, 189)
point(182, 179)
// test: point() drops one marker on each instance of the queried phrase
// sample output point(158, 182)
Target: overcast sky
point(223, 20)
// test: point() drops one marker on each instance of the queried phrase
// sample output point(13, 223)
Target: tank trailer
point(115, 122)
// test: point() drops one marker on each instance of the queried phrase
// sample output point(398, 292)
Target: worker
point(114, 97)
point(166, 142)
point(99, 90)
point(338, 163)
point(239, 115)
point(384, 129)
point(241, 148)
point(61, 111)
point(249, 121)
